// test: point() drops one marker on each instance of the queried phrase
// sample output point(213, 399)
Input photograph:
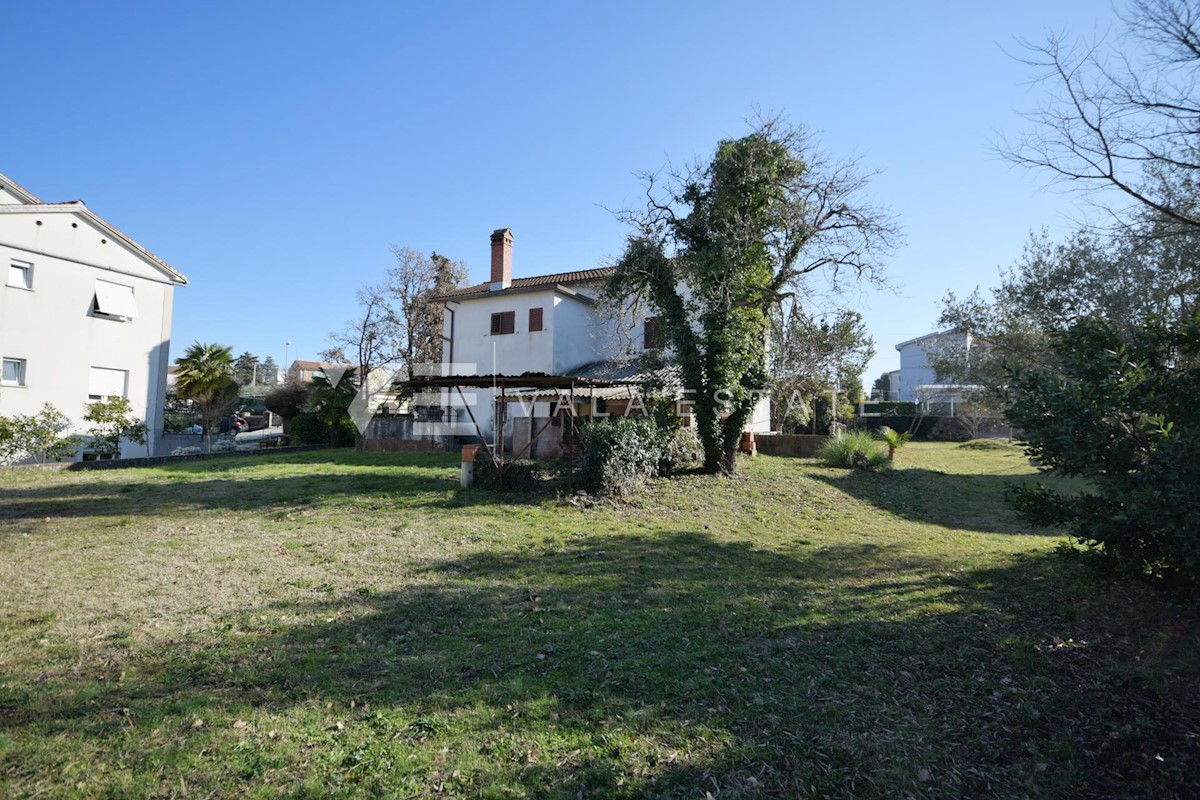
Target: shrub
point(1120, 414)
point(288, 401)
point(684, 450)
point(853, 450)
point(111, 421)
point(619, 454)
point(306, 429)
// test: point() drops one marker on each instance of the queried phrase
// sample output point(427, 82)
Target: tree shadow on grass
point(629, 666)
point(192, 487)
point(950, 500)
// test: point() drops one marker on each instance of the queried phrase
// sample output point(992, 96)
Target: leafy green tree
point(1120, 412)
point(41, 436)
point(9, 450)
point(811, 357)
point(882, 388)
point(111, 421)
point(717, 250)
point(268, 372)
point(288, 401)
point(206, 378)
point(246, 369)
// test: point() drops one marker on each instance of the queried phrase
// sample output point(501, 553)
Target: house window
point(651, 334)
point(104, 383)
point(504, 322)
point(14, 372)
point(20, 274)
point(114, 301)
point(535, 319)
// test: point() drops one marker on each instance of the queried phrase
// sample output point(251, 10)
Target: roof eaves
point(19, 190)
point(77, 207)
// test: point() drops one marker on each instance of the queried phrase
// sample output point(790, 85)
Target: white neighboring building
point(85, 312)
point(549, 324)
point(915, 371)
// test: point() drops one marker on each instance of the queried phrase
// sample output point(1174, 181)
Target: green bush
point(1120, 414)
point(307, 429)
point(620, 453)
point(853, 450)
point(523, 475)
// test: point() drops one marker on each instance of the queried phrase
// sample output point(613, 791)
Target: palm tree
point(892, 439)
point(330, 402)
point(206, 378)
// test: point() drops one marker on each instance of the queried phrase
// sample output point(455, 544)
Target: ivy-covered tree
point(112, 420)
point(719, 247)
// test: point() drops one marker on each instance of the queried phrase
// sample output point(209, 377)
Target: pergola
point(560, 384)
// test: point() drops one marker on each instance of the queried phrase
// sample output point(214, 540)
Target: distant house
point(917, 381)
point(307, 370)
point(85, 312)
point(550, 325)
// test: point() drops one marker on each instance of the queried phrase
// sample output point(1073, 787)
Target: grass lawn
point(325, 624)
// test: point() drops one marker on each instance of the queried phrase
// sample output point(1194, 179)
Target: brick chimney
point(501, 259)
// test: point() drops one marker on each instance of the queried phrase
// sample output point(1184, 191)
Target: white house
point(917, 380)
point(85, 312)
point(549, 325)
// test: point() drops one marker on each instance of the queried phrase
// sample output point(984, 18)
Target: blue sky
point(273, 151)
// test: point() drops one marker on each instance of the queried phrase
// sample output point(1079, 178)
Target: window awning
point(115, 300)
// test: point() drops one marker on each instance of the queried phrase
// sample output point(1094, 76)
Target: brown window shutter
point(535, 319)
point(508, 322)
point(651, 337)
point(496, 323)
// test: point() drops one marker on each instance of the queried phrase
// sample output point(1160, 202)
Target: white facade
point(575, 332)
point(85, 312)
point(914, 361)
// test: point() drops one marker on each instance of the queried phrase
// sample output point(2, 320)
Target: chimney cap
point(500, 233)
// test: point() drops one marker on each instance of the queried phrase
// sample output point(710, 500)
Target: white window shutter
point(115, 300)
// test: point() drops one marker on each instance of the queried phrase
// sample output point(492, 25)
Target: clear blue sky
point(272, 151)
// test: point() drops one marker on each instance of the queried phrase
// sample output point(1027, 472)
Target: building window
point(504, 322)
point(114, 301)
point(651, 334)
point(14, 372)
point(104, 383)
point(535, 319)
point(20, 274)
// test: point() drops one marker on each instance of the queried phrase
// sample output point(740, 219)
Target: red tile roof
point(559, 278)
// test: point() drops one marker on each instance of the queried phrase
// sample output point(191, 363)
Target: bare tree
point(412, 283)
point(372, 338)
point(1124, 119)
point(398, 320)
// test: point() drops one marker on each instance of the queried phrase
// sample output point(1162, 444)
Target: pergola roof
point(528, 380)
